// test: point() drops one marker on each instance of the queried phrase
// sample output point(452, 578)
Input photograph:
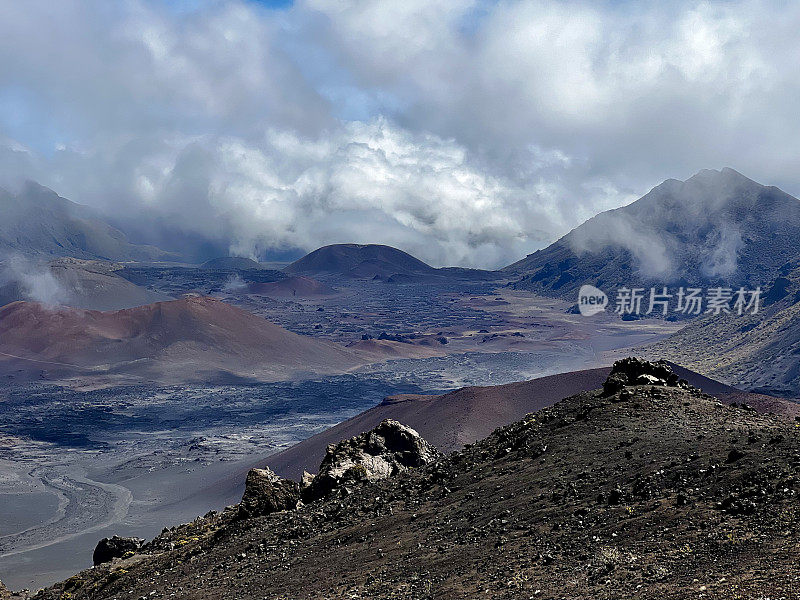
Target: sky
point(467, 133)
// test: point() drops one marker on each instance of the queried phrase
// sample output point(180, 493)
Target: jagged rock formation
point(108, 549)
point(4, 593)
point(652, 492)
point(266, 493)
point(387, 450)
point(634, 371)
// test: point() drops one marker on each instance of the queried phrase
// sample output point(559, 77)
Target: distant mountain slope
point(449, 421)
point(359, 260)
point(716, 227)
point(233, 263)
point(89, 284)
point(376, 261)
point(758, 352)
point(38, 222)
point(196, 338)
point(178, 280)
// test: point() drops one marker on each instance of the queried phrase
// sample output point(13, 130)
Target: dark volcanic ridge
point(643, 490)
point(463, 416)
point(359, 260)
point(379, 262)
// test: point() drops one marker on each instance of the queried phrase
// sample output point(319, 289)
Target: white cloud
point(467, 132)
point(365, 182)
point(34, 281)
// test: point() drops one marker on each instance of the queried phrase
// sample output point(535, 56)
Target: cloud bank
point(467, 133)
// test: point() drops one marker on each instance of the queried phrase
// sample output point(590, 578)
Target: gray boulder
point(387, 450)
point(265, 493)
point(108, 549)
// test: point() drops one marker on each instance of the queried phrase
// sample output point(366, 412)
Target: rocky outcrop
point(635, 371)
point(108, 549)
point(4, 593)
point(388, 449)
point(265, 493)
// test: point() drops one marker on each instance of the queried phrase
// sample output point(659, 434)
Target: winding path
point(84, 506)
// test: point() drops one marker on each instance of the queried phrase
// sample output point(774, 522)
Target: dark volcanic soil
point(651, 493)
point(451, 420)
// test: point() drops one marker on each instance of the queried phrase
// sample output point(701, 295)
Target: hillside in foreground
point(450, 421)
point(648, 488)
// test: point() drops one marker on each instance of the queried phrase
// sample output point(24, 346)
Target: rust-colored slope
point(447, 421)
point(188, 338)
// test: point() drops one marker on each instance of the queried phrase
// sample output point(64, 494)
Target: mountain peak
point(726, 175)
point(358, 260)
point(707, 230)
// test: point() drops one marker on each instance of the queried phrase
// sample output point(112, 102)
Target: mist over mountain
point(37, 222)
point(718, 227)
point(307, 234)
point(90, 284)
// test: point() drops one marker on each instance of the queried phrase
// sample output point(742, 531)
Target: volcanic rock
point(265, 493)
point(388, 449)
point(359, 260)
point(377, 262)
point(108, 549)
point(635, 371)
